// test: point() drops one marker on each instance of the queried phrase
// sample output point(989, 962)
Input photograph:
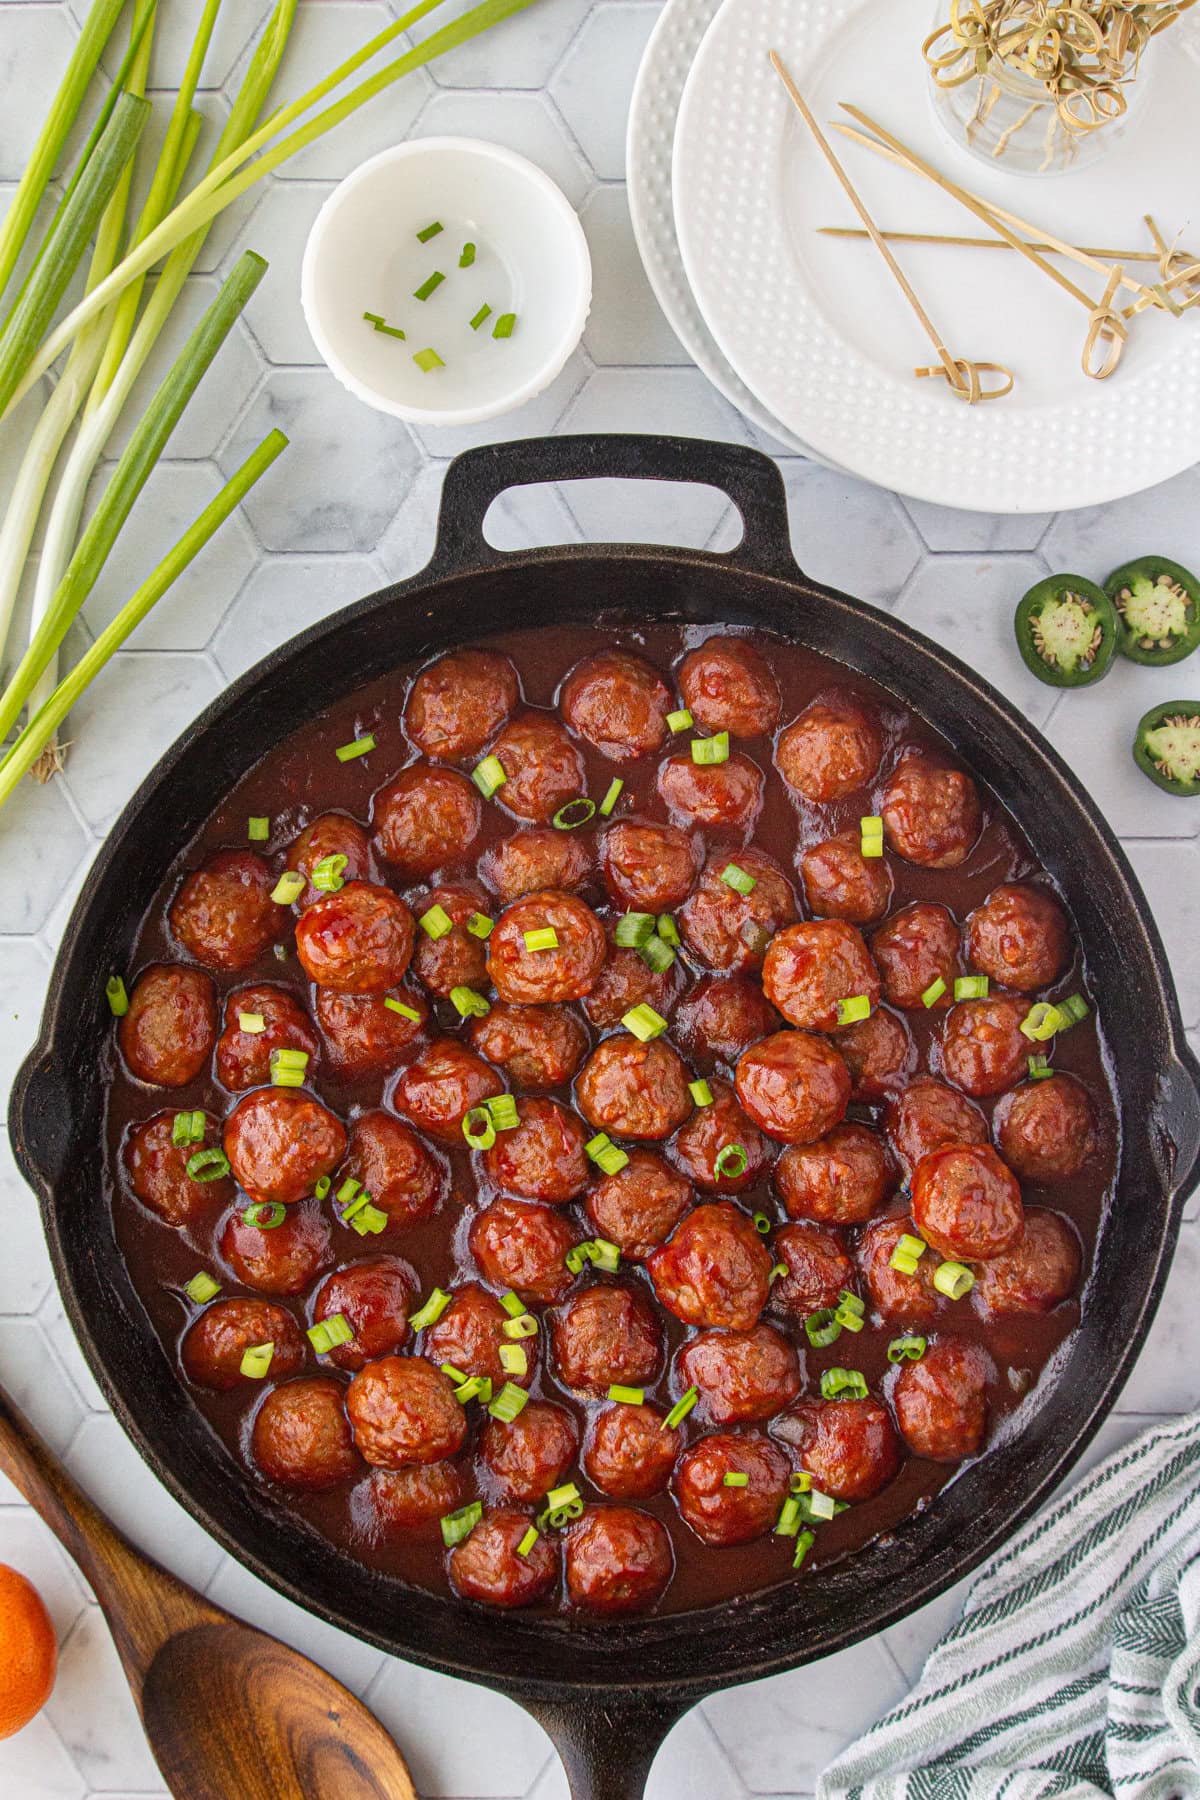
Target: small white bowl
point(364, 256)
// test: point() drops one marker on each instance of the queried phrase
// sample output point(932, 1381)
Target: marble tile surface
point(555, 85)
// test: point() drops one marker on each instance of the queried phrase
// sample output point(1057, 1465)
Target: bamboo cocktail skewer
point(985, 243)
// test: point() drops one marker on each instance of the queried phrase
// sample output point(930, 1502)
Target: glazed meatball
point(523, 1246)
point(402, 1410)
point(725, 796)
point(818, 1270)
point(931, 812)
point(841, 883)
point(722, 1016)
point(439, 1089)
point(966, 1202)
point(330, 834)
point(631, 1451)
point(470, 1335)
point(394, 1167)
point(714, 1270)
point(809, 968)
point(534, 859)
point(913, 950)
point(840, 1180)
point(606, 1334)
point(373, 1296)
point(213, 1347)
point(359, 940)
point(456, 704)
point(727, 685)
point(983, 1048)
point(833, 748)
point(618, 703)
point(705, 1148)
point(794, 1085)
point(617, 1560)
point(741, 1374)
point(301, 1435)
point(542, 767)
point(1041, 1269)
point(1046, 1130)
point(927, 1116)
point(649, 868)
point(725, 929)
point(486, 1566)
point(406, 1499)
point(879, 1053)
point(1019, 937)
point(639, 1207)
point(458, 959)
point(565, 971)
point(849, 1447)
point(532, 1454)
point(363, 1035)
point(425, 818)
point(941, 1401)
point(536, 1046)
point(633, 1090)
point(542, 1158)
point(244, 1056)
point(284, 1260)
point(168, 1033)
point(280, 1141)
point(626, 981)
point(902, 1299)
point(157, 1170)
point(721, 1515)
point(224, 915)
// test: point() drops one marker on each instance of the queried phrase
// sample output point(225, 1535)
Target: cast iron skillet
point(608, 1696)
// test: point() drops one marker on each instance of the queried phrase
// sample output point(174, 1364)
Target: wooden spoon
point(227, 1709)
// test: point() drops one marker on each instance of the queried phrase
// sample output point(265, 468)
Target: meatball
point(538, 857)
point(440, 1088)
point(168, 1033)
point(849, 1447)
point(983, 1048)
point(1019, 937)
point(224, 915)
point(542, 1158)
point(714, 1270)
point(214, 1345)
point(1041, 1269)
point(879, 1053)
point(363, 1035)
point(902, 1299)
point(402, 1410)
point(927, 1116)
point(699, 1148)
point(833, 748)
point(425, 818)
point(567, 970)
point(280, 1141)
point(470, 1335)
point(722, 1016)
point(727, 685)
point(284, 1260)
point(330, 834)
point(841, 883)
point(840, 1180)
point(741, 1374)
point(794, 1085)
point(941, 1401)
point(931, 812)
point(809, 968)
point(458, 959)
point(486, 1566)
point(915, 948)
point(523, 1246)
point(244, 1057)
point(1046, 1130)
point(157, 1170)
point(406, 1499)
point(726, 929)
point(618, 703)
point(617, 1560)
point(626, 981)
point(606, 1334)
point(373, 1296)
point(966, 1202)
point(301, 1435)
point(725, 796)
point(721, 1515)
point(818, 1270)
point(639, 1207)
point(633, 1090)
point(649, 868)
point(456, 704)
point(536, 1046)
point(532, 1454)
point(359, 940)
point(631, 1451)
point(395, 1168)
point(543, 769)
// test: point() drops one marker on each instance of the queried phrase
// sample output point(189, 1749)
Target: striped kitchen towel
point(1074, 1671)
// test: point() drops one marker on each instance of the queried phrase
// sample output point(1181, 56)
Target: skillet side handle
point(1183, 1124)
point(608, 1743)
point(748, 477)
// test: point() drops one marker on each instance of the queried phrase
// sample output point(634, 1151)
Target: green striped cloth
point(1074, 1671)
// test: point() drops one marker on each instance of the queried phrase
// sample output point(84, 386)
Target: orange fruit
point(28, 1652)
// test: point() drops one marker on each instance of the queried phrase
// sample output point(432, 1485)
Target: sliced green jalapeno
point(1067, 631)
point(1166, 746)
point(1159, 606)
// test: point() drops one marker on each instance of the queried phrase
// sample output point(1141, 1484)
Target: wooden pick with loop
point(1107, 330)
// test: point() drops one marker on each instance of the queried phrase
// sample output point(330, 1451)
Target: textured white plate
point(818, 331)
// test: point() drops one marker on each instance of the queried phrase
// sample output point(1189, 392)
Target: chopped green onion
point(528, 1541)
point(208, 1165)
point(279, 952)
point(1041, 1022)
point(605, 1154)
point(258, 830)
point(681, 1409)
point(953, 1279)
point(478, 1129)
point(1074, 1007)
point(468, 1004)
point(501, 1109)
point(711, 750)
point(668, 930)
point(328, 1333)
point(544, 938)
point(788, 1522)
point(850, 1011)
point(362, 746)
point(839, 1384)
point(627, 1396)
point(598, 1251)
point(804, 1544)
point(265, 1215)
point(485, 312)
point(801, 1482)
point(1039, 1068)
point(633, 929)
point(431, 1312)
point(575, 813)
point(430, 231)
point(288, 1067)
point(735, 1478)
point(322, 1187)
point(510, 1401)
point(822, 1328)
point(514, 1359)
point(427, 360)
point(187, 1128)
point(453, 1373)
point(252, 1023)
point(731, 1162)
point(118, 999)
point(513, 1304)
point(467, 256)
point(871, 825)
point(906, 1349)
point(611, 797)
point(398, 1006)
point(562, 1496)
point(288, 888)
point(777, 1269)
point(933, 992)
point(762, 1224)
point(849, 1321)
point(430, 285)
point(202, 1288)
point(503, 328)
point(869, 847)
point(737, 879)
point(476, 1387)
point(524, 1325)
point(480, 926)
point(679, 721)
point(644, 1023)
point(327, 875)
point(971, 987)
point(436, 922)
point(908, 1252)
point(366, 1219)
point(657, 956)
point(701, 1093)
point(817, 1506)
point(562, 1505)
point(348, 1189)
point(459, 1525)
point(489, 775)
point(257, 1360)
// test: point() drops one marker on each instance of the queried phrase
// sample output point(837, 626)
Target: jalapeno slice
point(1166, 746)
point(1067, 631)
point(1159, 606)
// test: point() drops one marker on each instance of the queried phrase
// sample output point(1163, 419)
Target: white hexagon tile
point(352, 505)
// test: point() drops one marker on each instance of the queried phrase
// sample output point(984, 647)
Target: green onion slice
point(634, 929)
point(523, 1326)
point(489, 775)
point(843, 1384)
point(459, 1525)
point(328, 1333)
point(478, 1129)
point(562, 1505)
point(503, 328)
point(1041, 1022)
point(1074, 1007)
point(953, 1279)
point(777, 1269)
point(252, 1023)
point(322, 1187)
point(327, 876)
point(848, 1319)
point(731, 1162)
point(398, 1006)
point(501, 1109)
point(804, 1544)
point(598, 1251)
point(256, 1360)
point(644, 1023)
point(907, 1254)
point(933, 992)
point(362, 746)
point(510, 1401)
point(627, 1396)
point(468, 1004)
point(480, 926)
point(823, 1328)
point(801, 1482)
point(514, 1359)
point(288, 888)
point(512, 1303)
point(528, 1541)
point(187, 1128)
point(118, 999)
point(657, 956)
point(208, 1165)
point(869, 847)
point(680, 720)
point(906, 1349)
point(258, 829)
point(681, 1409)
point(427, 360)
point(265, 1215)
point(543, 938)
point(711, 750)
point(701, 1093)
point(668, 930)
point(436, 922)
point(1039, 1068)
point(476, 1387)
point(202, 1288)
point(611, 797)
point(737, 879)
point(485, 312)
point(430, 285)
point(762, 1224)
point(466, 256)
point(817, 1506)
point(971, 987)
point(348, 1189)
point(431, 1312)
point(430, 231)
point(368, 1220)
point(575, 813)
point(851, 1010)
point(788, 1522)
point(735, 1478)
point(871, 825)
point(288, 1067)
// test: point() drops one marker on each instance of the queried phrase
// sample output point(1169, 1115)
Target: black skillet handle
point(750, 479)
point(1182, 1118)
point(608, 1744)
